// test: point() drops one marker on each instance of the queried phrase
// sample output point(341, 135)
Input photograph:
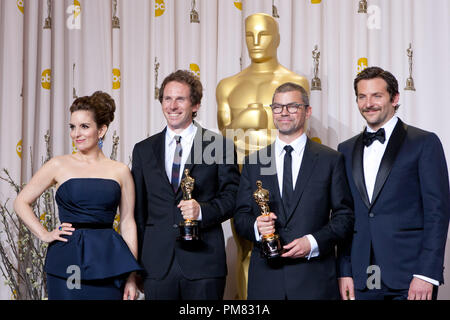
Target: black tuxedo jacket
point(212, 163)
point(322, 207)
point(407, 221)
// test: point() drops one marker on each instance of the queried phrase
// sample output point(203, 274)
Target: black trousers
point(384, 292)
point(175, 286)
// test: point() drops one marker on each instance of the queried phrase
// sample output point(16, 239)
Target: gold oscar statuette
point(274, 10)
point(115, 140)
point(362, 7)
point(74, 91)
point(271, 244)
point(48, 20)
point(115, 18)
point(410, 80)
point(194, 17)
point(189, 230)
point(238, 118)
point(316, 84)
point(156, 78)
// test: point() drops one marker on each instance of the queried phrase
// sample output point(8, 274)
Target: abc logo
point(74, 19)
point(316, 139)
point(160, 7)
point(316, 1)
point(20, 5)
point(238, 4)
point(19, 149)
point(46, 79)
point(362, 64)
point(74, 148)
point(116, 78)
point(116, 223)
point(77, 8)
point(195, 70)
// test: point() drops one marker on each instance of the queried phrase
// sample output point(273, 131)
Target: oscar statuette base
point(271, 246)
point(189, 231)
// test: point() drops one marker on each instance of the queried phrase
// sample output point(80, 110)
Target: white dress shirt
point(371, 164)
point(297, 156)
point(373, 155)
point(187, 138)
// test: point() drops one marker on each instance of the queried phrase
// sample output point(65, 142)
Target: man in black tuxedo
point(310, 202)
point(177, 270)
point(399, 181)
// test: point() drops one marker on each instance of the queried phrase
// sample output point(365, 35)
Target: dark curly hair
point(188, 78)
point(100, 104)
point(377, 72)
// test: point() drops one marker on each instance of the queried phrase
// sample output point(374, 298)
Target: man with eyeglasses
point(310, 202)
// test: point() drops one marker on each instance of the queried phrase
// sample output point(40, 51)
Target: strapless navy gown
point(94, 251)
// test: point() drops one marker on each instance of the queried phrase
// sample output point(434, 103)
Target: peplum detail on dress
point(99, 253)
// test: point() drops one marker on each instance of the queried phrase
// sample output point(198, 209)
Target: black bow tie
point(370, 137)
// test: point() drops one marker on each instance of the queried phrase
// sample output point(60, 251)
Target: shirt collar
point(186, 135)
point(388, 127)
point(298, 145)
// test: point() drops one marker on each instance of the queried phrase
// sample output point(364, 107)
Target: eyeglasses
point(291, 107)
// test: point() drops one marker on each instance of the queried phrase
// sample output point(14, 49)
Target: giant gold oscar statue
point(244, 106)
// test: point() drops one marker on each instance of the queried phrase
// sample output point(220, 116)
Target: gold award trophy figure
point(188, 228)
point(271, 244)
point(244, 99)
point(243, 102)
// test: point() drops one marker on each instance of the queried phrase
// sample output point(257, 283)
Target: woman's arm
point(42, 180)
point(126, 208)
point(128, 228)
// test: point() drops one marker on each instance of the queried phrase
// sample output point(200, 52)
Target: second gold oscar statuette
point(270, 245)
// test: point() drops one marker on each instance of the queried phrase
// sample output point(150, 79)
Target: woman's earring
point(100, 143)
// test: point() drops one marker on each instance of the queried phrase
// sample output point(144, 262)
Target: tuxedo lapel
point(358, 171)
point(159, 150)
point(196, 152)
point(394, 144)
point(306, 168)
point(195, 155)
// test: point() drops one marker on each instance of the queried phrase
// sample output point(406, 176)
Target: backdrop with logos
point(54, 51)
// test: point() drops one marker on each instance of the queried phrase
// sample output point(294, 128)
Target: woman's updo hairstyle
point(100, 104)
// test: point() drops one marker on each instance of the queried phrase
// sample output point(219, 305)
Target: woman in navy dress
point(86, 258)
